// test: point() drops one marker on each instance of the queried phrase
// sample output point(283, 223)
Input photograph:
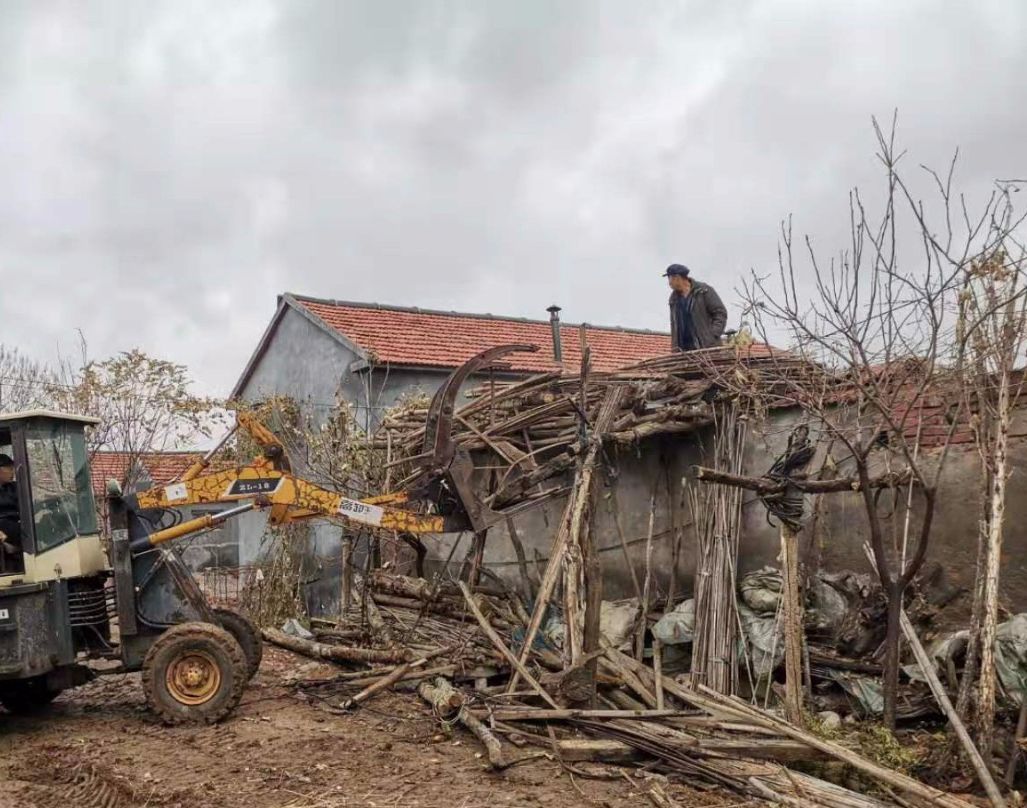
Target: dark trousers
point(11, 563)
point(11, 527)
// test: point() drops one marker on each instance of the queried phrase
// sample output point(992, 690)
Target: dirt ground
point(99, 746)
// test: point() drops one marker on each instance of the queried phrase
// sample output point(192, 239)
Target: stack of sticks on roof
point(535, 425)
point(458, 648)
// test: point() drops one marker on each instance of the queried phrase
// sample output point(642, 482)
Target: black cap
point(5, 461)
point(676, 269)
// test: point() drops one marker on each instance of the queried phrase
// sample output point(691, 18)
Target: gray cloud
point(170, 167)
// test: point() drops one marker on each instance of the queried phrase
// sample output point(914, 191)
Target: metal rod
point(186, 528)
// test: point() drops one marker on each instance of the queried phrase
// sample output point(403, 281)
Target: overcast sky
point(168, 168)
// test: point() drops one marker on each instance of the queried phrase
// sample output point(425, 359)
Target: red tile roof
point(421, 338)
point(161, 467)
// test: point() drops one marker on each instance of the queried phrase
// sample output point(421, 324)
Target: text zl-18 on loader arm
point(189, 653)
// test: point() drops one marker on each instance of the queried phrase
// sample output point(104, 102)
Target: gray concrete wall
point(380, 388)
point(311, 366)
point(834, 540)
point(373, 391)
point(643, 475)
point(304, 362)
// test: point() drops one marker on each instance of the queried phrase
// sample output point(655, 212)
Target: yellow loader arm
point(268, 482)
point(288, 497)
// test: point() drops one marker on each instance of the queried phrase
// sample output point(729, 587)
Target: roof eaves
point(500, 373)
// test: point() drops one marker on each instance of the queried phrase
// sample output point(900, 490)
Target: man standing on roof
point(697, 315)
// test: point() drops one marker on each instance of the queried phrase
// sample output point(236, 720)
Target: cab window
point(62, 500)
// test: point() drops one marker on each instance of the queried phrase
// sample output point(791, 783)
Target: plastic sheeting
point(293, 627)
point(943, 650)
point(1010, 658)
point(760, 591)
point(828, 608)
point(865, 690)
point(764, 635)
point(677, 627)
point(617, 622)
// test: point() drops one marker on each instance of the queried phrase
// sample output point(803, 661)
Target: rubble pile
point(535, 425)
point(458, 649)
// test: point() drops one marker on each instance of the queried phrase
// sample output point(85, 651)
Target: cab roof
point(58, 416)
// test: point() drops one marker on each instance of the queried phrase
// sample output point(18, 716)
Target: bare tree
point(993, 317)
point(877, 323)
point(23, 381)
point(144, 405)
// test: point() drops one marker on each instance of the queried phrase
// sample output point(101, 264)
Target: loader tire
point(194, 673)
point(246, 635)
point(27, 696)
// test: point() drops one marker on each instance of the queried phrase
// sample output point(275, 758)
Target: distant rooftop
point(160, 468)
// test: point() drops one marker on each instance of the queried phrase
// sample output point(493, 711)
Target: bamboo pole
point(658, 669)
point(941, 696)
point(715, 704)
point(545, 590)
point(570, 531)
point(611, 503)
point(593, 607)
point(643, 617)
point(522, 560)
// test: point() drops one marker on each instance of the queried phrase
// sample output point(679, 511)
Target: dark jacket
point(709, 316)
point(10, 524)
point(8, 501)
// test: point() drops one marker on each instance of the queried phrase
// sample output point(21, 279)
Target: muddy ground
point(100, 747)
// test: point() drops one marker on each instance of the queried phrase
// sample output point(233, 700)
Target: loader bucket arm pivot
point(446, 478)
point(438, 428)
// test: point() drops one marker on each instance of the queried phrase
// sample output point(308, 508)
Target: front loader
point(67, 598)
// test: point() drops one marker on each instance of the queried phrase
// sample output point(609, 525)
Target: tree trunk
point(336, 653)
point(346, 595)
point(893, 588)
point(448, 705)
point(895, 592)
point(593, 606)
point(964, 702)
point(989, 624)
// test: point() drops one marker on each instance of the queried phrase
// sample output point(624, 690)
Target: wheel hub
point(193, 678)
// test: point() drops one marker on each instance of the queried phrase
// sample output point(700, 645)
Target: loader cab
point(56, 512)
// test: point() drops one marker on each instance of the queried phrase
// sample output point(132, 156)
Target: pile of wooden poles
point(459, 650)
point(534, 426)
point(480, 659)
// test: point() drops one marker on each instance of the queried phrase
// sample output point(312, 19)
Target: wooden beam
point(792, 625)
point(764, 485)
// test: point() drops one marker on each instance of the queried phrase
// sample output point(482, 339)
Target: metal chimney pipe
point(554, 322)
